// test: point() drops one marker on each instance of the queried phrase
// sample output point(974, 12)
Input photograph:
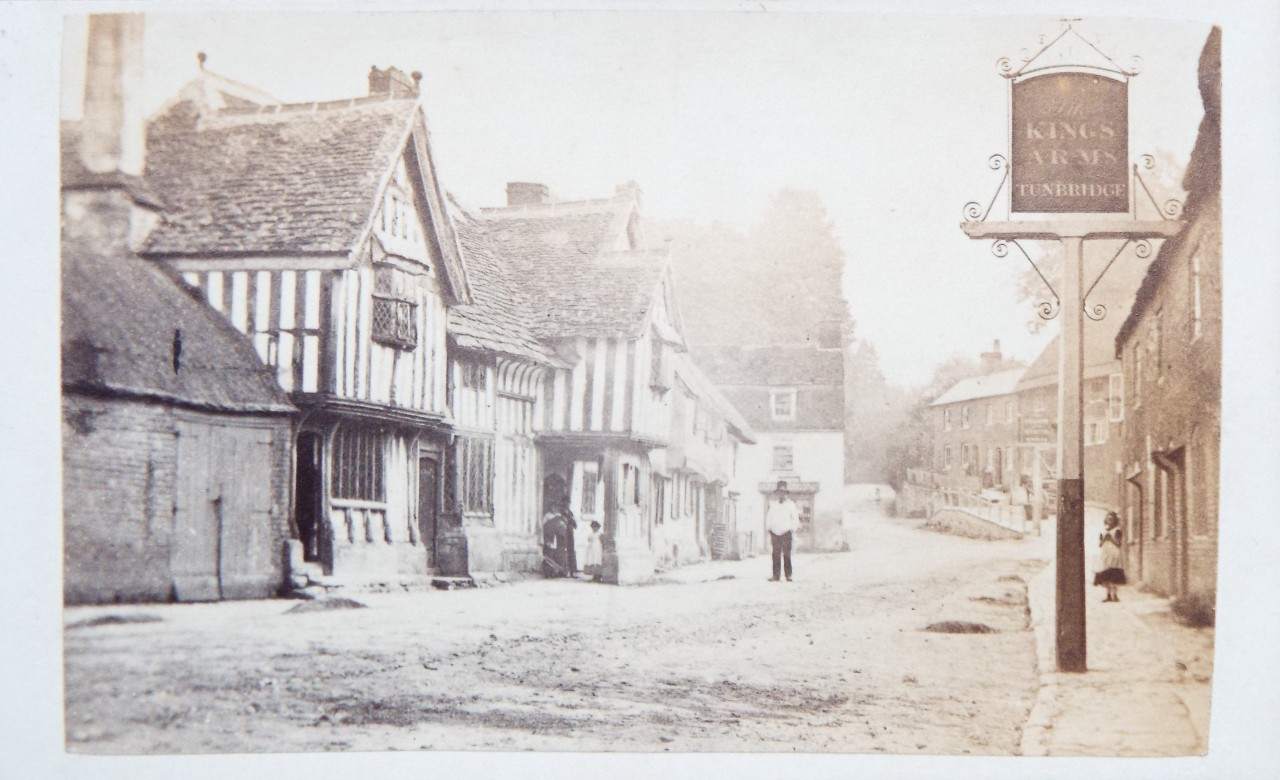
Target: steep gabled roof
point(301, 182)
point(123, 318)
point(565, 259)
point(279, 179)
point(497, 317)
point(985, 386)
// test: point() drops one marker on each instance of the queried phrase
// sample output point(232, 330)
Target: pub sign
point(1070, 144)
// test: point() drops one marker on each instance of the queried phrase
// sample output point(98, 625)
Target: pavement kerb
point(1039, 725)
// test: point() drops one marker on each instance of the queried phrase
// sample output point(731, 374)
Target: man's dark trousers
point(781, 553)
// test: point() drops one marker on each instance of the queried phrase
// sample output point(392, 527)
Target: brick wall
point(1176, 411)
point(117, 498)
point(118, 492)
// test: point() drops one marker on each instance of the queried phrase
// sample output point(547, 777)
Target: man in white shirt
point(782, 520)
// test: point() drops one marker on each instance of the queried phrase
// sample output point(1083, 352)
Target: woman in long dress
point(1111, 573)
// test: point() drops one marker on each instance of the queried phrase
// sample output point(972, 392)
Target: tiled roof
point(280, 179)
point(771, 365)
point(120, 316)
point(574, 281)
point(497, 317)
point(985, 386)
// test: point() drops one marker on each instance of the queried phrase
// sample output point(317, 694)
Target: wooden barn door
point(223, 541)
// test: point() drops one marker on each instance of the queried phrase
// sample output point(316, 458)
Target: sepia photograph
point(655, 379)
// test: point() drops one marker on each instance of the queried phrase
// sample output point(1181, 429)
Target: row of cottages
point(432, 381)
point(631, 433)
point(999, 429)
point(176, 439)
point(976, 430)
point(1171, 350)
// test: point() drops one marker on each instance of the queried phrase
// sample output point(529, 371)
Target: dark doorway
point(428, 506)
point(309, 494)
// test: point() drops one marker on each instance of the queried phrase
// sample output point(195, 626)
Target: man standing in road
point(782, 520)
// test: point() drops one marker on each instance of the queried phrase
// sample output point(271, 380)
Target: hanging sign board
point(1070, 144)
point(1037, 430)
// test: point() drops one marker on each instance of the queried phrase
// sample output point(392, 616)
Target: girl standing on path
point(1111, 573)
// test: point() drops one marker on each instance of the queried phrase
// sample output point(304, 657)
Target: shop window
point(358, 465)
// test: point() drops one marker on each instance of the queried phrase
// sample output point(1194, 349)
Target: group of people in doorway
point(559, 547)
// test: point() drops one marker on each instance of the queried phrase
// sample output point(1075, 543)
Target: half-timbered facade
point(320, 233)
point(603, 301)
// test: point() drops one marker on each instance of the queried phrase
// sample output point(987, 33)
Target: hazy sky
point(890, 118)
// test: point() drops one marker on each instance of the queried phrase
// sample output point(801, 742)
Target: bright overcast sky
point(890, 118)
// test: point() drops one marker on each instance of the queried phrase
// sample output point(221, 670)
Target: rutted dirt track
point(713, 657)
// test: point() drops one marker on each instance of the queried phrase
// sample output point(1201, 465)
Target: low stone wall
point(960, 523)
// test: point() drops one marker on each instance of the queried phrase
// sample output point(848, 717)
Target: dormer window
point(782, 404)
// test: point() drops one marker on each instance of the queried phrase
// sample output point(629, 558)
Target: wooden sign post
point(1069, 156)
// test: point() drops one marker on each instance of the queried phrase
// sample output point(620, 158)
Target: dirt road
point(713, 657)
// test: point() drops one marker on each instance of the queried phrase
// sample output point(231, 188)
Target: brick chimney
point(523, 193)
point(991, 360)
point(113, 136)
point(393, 82)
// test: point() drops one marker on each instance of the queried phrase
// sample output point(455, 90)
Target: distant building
point(1104, 411)
point(1171, 349)
point(176, 440)
point(793, 397)
point(976, 428)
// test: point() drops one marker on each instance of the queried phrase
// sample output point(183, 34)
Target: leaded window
point(358, 465)
point(395, 314)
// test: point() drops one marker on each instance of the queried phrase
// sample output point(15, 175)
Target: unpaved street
point(713, 657)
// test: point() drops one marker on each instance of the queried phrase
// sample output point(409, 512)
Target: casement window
point(946, 458)
point(590, 488)
point(965, 463)
point(783, 458)
point(1115, 398)
point(946, 419)
point(473, 376)
point(395, 314)
point(964, 417)
point(358, 470)
point(474, 465)
point(782, 404)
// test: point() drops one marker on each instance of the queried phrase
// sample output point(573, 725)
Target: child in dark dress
point(1111, 573)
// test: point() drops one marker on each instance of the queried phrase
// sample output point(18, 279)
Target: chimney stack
point(523, 193)
point(393, 82)
point(991, 360)
point(113, 137)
